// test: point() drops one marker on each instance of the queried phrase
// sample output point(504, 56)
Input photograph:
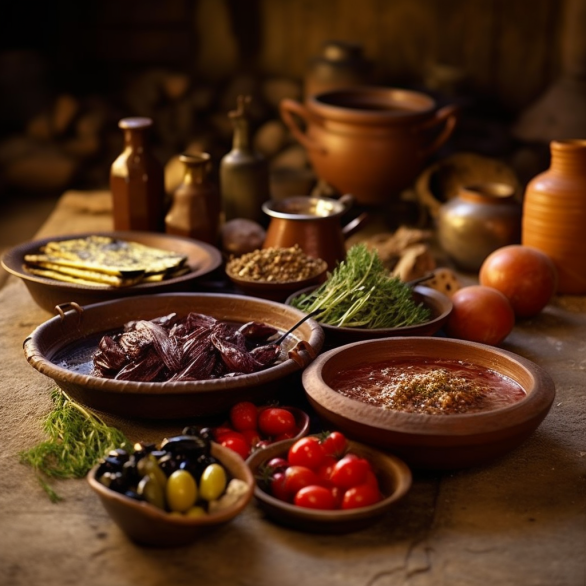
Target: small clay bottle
point(137, 181)
point(196, 206)
point(244, 175)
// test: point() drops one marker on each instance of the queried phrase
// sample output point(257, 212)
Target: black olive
point(188, 445)
point(119, 453)
point(114, 481)
point(206, 433)
point(131, 493)
point(168, 464)
point(191, 430)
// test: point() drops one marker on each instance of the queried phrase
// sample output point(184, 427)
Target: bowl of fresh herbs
point(360, 300)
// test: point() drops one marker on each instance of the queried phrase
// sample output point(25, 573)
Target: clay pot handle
point(287, 108)
point(447, 114)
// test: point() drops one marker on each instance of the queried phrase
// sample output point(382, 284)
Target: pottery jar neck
point(568, 156)
point(241, 139)
point(195, 168)
point(136, 132)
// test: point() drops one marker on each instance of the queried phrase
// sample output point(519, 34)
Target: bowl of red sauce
point(437, 403)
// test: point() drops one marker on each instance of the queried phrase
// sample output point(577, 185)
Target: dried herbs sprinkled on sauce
point(433, 387)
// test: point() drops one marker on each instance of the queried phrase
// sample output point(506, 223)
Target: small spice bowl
point(394, 478)
point(147, 525)
point(281, 285)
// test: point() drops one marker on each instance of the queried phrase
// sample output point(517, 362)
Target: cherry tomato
point(284, 436)
point(251, 436)
point(324, 472)
point(525, 275)
point(338, 494)
point(277, 486)
point(237, 444)
point(334, 444)
point(297, 477)
point(315, 497)
point(306, 452)
point(221, 431)
point(349, 472)
point(371, 480)
point(277, 464)
point(362, 495)
point(480, 314)
point(274, 421)
point(243, 416)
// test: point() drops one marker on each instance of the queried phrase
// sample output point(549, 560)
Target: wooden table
point(518, 521)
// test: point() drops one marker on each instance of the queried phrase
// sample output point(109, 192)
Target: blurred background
point(70, 70)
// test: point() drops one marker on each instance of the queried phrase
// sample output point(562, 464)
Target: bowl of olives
point(170, 495)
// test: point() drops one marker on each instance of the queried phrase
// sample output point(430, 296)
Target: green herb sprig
point(360, 293)
point(77, 440)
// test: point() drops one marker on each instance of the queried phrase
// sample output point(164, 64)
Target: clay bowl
point(202, 258)
point(276, 291)
point(439, 304)
point(62, 347)
point(148, 525)
point(394, 480)
point(432, 441)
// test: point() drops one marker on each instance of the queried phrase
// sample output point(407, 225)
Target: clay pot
point(554, 214)
point(480, 219)
point(313, 223)
point(369, 141)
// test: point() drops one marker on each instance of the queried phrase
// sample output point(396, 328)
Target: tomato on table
point(275, 421)
point(334, 444)
point(243, 416)
point(306, 452)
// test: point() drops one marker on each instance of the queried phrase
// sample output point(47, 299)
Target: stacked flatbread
point(102, 261)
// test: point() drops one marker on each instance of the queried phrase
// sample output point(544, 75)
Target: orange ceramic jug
point(554, 214)
point(369, 141)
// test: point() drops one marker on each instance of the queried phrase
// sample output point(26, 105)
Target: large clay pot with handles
point(369, 141)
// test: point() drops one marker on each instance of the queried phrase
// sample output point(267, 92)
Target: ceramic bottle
point(244, 175)
point(196, 206)
point(554, 214)
point(137, 181)
point(480, 219)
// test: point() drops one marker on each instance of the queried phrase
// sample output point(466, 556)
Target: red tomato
point(276, 421)
point(324, 472)
point(277, 486)
point(525, 275)
point(363, 495)
point(284, 436)
point(298, 477)
point(315, 497)
point(371, 480)
point(349, 472)
point(237, 444)
point(251, 436)
point(277, 464)
point(220, 432)
point(480, 314)
point(338, 494)
point(243, 416)
point(306, 452)
point(334, 444)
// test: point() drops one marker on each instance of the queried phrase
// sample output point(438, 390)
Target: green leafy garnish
point(360, 293)
point(77, 440)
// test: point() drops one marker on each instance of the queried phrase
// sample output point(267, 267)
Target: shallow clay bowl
point(276, 291)
point(202, 259)
point(148, 525)
point(439, 304)
point(431, 441)
point(62, 347)
point(394, 479)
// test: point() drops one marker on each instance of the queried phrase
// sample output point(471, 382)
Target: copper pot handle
point(287, 108)
point(447, 114)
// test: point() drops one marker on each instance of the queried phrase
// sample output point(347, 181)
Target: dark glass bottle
point(196, 206)
point(137, 181)
point(244, 176)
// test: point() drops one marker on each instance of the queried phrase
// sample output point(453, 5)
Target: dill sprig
point(360, 293)
point(77, 440)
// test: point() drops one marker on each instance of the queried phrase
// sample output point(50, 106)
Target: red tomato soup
point(441, 387)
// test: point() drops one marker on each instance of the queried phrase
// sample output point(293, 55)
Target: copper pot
point(369, 141)
point(313, 223)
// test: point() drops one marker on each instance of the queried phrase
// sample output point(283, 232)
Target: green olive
point(195, 512)
point(181, 491)
point(212, 482)
point(152, 492)
point(149, 465)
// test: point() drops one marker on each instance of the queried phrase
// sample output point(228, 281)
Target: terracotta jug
point(369, 141)
point(554, 214)
point(195, 210)
point(477, 221)
point(313, 223)
point(137, 181)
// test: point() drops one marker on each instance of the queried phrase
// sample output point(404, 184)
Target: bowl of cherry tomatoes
point(327, 483)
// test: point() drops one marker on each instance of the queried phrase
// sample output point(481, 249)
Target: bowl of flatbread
point(94, 267)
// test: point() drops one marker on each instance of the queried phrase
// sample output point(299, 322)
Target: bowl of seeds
point(275, 273)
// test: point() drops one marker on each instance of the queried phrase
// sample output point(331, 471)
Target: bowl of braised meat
point(175, 355)
point(437, 403)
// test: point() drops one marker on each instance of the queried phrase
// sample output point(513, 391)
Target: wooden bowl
point(276, 291)
point(148, 525)
point(432, 441)
point(202, 259)
point(394, 480)
point(62, 348)
point(439, 304)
